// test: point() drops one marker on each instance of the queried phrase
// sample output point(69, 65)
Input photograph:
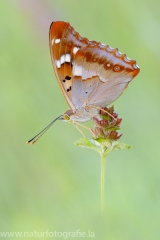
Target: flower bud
point(108, 126)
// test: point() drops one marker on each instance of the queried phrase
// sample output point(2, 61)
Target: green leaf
point(88, 144)
point(116, 146)
point(101, 145)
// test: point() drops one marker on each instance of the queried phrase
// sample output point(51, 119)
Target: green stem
point(102, 181)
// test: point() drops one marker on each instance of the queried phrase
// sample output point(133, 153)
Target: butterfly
point(91, 75)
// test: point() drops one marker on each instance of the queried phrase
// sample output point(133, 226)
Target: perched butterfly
point(90, 74)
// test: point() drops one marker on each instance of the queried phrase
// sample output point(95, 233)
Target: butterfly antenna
point(35, 138)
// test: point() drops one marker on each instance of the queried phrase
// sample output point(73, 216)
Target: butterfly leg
point(82, 126)
point(99, 108)
point(79, 130)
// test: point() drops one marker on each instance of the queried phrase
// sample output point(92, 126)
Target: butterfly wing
point(101, 74)
point(88, 72)
point(64, 43)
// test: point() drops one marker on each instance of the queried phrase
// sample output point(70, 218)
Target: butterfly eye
point(66, 117)
point(116, 68)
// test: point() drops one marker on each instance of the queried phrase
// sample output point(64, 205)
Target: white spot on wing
point(58, 63)
point(62, 59)
point(127, 59)
point(75, 50)
point(78, 70)
point(135, 66)
point(57, 40)
point(68, 57)
point(102, 45)
point(118, 53)
point(108, 64)
point(109, 49)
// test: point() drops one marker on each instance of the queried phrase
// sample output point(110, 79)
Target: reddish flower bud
point(104, 123)
point(115, 115)
point(96, 121)
point(112, 135)
point(118, 122)
point(118, 137)
point(99, 132)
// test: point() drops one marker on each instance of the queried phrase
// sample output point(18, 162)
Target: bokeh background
point(53, 184)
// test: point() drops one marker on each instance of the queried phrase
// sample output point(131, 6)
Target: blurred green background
point(53, 184)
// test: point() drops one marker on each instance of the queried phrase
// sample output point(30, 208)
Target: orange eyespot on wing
point(116, 68)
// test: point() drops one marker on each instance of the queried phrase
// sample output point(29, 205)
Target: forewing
point(64, 44)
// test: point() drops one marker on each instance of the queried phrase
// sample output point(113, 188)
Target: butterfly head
point(66, 116)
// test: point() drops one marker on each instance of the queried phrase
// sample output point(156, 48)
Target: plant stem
point(102, 181)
